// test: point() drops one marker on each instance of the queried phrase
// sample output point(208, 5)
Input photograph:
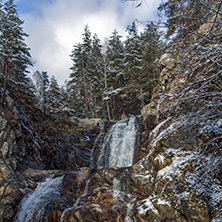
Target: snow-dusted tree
point(54, 87)
point(153, 48)
point(115, 55)
point(81, 73)
point(184, 16)
point(95, 72)
point(114, 75)
point(77, 85)
point(133, 67)
point(44, 87)
point(54, 96)
point(133, 56)
point(85, 85)
point(14, 53)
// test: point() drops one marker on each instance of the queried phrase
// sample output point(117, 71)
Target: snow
point(183, 195)
point(146, 205)
point(179, 161)
point(211, 126)
point(156, 132)
point(217, 220)
point(160, 158)
point(161, 201)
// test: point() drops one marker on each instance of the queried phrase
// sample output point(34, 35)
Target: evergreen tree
point(85, 58)
point(95, 74)
point(14, 53)
point(114, 75)
point(153, 48)
point(77, 85)
point(115, 55)
point(133, 67)
point(85, 83)
point(54, 96)
point(44, 87)
point(133, 56)
point(54, 87)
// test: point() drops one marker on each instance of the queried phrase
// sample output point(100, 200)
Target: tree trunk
point(5, 81)
point(106, 85)
point(108, 111)
point(85, 89)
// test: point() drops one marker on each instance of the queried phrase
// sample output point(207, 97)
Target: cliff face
point(32, 146)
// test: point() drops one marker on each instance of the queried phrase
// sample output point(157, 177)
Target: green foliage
point(118, 81)
point(85, 83)
point(14, 53)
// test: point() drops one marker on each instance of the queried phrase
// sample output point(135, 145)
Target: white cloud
point(60, 25)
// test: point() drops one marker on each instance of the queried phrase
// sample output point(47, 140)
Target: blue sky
point(54, 26)
point(31, 6)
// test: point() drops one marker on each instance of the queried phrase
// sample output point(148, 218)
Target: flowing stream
point(117, 150)
point(45, 195)
point(119, 145)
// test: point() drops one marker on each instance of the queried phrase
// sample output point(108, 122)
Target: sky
point(55, 26)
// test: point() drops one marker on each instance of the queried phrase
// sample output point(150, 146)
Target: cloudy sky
point(54, 26)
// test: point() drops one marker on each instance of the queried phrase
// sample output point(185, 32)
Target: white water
point(101, 132)
point(119, 145)
point(35, 202)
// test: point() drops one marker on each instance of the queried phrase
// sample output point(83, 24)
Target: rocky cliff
point(34, 145)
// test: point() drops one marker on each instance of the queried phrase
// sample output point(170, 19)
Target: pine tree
point(153, 48)
point(133, 67)
point(54, 87)
point(14, 53)
point(115, 55)
point(54, 96)
point(133, 55)
point(77, 85)
point(85, 83)
point(114, 75)
point(95, 73)
point(44, 87)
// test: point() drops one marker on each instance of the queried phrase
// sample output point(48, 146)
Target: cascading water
point(119, 145)
point(101, 133)
point(34, 204)
point(118, 150)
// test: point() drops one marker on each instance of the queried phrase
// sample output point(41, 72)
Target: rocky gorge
point(49, 172)
point(164, 165)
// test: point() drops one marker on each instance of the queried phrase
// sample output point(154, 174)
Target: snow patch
point(146, 205)
point(160, 158)
point(161, 201)
point(179, 161)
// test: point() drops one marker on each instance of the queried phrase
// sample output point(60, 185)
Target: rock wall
point(43, 144)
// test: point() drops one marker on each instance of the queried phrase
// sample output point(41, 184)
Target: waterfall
point(101, 132)
point(44, 196)
point(119, 144)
